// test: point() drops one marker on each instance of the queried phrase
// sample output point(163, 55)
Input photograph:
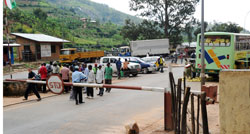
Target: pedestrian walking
point(187, 68)
point(65, 76)
point(56, 69)
point(49, 68)
point(100, 79)
point(86, 73)
point(60, 67)
point(125, 68)
point(118, 66)
point(95, 69)
point(72, 94)
point(43, 72)
point(108, 76)
point(181, 56)
point(76, 78)
point(91, 80)
point(160, 62)
point(176, 58)
point(31, 86)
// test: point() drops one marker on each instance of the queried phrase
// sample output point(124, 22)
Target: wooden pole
point(173, 95)
point(184, 112)
point(198, 113)
point(178, 107)
point(168, 119)
point(204, 113)
point(192, 114)
point(184, 81)
point(8, 40)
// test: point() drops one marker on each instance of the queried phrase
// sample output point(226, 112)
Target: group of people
point(75, 73)
point(123, 67)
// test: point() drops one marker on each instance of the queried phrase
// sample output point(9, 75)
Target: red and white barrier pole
point(144, 88)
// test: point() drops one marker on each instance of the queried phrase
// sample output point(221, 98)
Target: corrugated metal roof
point(40, 37)
point(12, 45)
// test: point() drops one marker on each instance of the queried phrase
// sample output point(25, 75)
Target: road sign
point(55, 84)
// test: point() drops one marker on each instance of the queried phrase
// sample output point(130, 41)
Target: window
point(105, 60)
point(112, 60)
point(242, 42)
point(53, 48)
point(217, 40)
point(26, 48)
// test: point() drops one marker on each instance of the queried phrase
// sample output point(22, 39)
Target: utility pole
point(8, 40)
point(202, 45)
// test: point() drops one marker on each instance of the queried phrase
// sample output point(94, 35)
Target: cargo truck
point(68, 55)
point(152, 47)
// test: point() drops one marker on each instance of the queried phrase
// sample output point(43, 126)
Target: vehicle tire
point(134, 75)
point(145, 70)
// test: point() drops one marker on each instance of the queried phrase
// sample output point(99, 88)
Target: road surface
point(101, 115)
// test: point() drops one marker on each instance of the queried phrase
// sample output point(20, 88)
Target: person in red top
point(43, 73)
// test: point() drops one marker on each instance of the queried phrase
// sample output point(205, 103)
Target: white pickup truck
point(134, 68)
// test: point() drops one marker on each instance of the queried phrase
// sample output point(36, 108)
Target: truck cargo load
point(151, 47)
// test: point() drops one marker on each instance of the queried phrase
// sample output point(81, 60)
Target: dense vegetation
point(62, 18)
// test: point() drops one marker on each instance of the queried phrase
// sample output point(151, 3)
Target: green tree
point(170, 14)
point(39, 13)
point(198, 29)
point(145, 30)
point(226, 27)
point(189, 30)
point(130, 30)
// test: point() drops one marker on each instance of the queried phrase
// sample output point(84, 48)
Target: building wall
point(54, 56)
point(23, 41)
point(234, 102)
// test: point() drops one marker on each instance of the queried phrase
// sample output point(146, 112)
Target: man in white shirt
point(91, 79)
point(100, 79)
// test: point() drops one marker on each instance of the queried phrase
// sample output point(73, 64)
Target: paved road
point(101, 115)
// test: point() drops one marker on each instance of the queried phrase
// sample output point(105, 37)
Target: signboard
point(55, 84)
point(45, 50)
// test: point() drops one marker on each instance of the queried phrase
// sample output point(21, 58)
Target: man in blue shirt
point(118, 66)
point(76, 78)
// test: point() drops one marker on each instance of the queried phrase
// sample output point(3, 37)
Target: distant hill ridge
point(80, 8)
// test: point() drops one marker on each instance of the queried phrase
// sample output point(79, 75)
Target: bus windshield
point(216, 40)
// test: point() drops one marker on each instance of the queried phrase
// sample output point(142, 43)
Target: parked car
point(134, 68)
point(153, 60)
point(146, 67)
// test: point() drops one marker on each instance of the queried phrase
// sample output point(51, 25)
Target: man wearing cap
point(76, 78)
point(100, 79)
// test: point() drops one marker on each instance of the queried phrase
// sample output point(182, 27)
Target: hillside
point(81, 8)
point(64, 19)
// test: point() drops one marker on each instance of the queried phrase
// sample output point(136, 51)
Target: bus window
point(217, 40)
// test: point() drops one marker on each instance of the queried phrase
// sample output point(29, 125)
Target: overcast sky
point(236, 11)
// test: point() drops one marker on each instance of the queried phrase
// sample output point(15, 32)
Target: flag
point(10, 3)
